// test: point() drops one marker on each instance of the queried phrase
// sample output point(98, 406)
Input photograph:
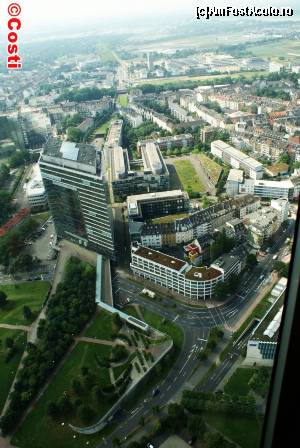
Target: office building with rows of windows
point(178, 275)
point(77, 194)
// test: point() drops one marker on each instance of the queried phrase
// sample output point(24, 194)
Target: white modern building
point(268, 188)
point(234, 179)
point(282, 206)
point(179, 276)
point(35, 190)
point(237, 159)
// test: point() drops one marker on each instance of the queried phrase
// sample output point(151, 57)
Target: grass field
point(8, 369)
point(213, 168)
point(31, 294)
point(175, 79)
point(101, 327)
point(156, 321)
point(243, 430)
point(104, 126)
point(123, 99)
point(283, 48)
point(238, 383)
point(188, 176)
point(38, 424)
point(169, 218)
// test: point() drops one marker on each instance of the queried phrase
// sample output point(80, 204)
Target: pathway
point(15, 327)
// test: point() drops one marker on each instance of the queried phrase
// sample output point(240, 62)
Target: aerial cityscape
point(149, 186)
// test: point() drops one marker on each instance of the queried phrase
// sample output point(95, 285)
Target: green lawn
point(174, 79)
point(37, 423)
point(243, 430)
point(101, 327)
point(31, 294)
point(8, 369)
point(188, 176)
point(104, 126)
point(278, 49)
point(238, 383)
point(156, 321)
point(214, 169)
point(123, 99)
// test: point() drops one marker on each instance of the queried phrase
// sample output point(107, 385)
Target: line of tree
point(68, 311)
point(85, 94)
point(195, 402)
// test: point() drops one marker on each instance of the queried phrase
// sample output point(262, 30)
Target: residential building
point(261, 225)
point(172, 141)
point(179, 276)
point(234, 179)
point(237, 159)
point(162, 232)
point(77, 194)
point(282, 206)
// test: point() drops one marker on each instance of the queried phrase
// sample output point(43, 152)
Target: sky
point(46, 14)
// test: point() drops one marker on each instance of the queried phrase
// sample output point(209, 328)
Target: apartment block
point(237, 159)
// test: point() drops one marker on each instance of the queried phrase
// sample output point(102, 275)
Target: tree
point(76, 386)
point(117, 321)
point(281, 268)
point(53, 410)
point(251, 260)
point(3, 299)
point(86, 414)
point(196, 426)
point(221, 290)
point(176, 412)
point(9, 342)
point(142, 420)
point(74, 135)
point(27, 313)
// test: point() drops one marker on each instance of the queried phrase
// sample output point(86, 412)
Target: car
point(192, 440)
point(155, 392)
point(149, 445)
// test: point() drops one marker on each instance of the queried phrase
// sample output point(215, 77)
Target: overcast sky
point(42, 14)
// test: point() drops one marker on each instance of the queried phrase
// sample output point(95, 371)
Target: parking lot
point(40, 244)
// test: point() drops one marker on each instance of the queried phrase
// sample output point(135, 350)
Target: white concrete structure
point(234, 179)
point(35, 190)
point(268, 188)
point(237, 159)
point(282, 206)
point(179, 276)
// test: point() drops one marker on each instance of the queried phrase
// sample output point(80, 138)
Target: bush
point(86, 414)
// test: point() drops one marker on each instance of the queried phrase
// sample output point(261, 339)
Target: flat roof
point(156, 195)
point(274, 183)
point(235, 175)
point(77, 152)
point(160, 258)
point(203, 273)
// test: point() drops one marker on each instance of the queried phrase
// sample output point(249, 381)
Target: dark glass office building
point(78, 195)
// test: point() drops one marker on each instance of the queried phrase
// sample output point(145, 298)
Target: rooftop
point(266, 330)
point(77, 152)
point(235, 175)
point(160, 258)
point(274, 183)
